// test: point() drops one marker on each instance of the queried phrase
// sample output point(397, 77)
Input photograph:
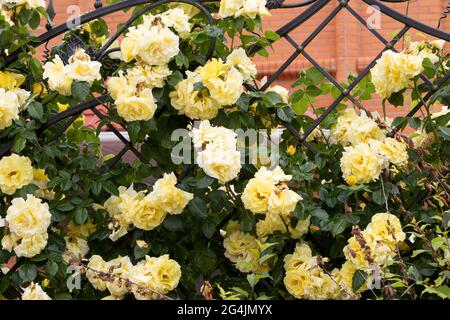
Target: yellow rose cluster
point(432, 50)
point(153, 275)
point(305, 278)
point(13, 99)
point(80, 68)
point(376, 245)
point(394, 71)
point(241, 248)
point(219, 84)
point(268, 193)
point(28, 221)
point(353, 129)
point(217, 151)
point(247, 8)
point(367, 150)
point(132, 91)
point(153, 42)
point(142, 211)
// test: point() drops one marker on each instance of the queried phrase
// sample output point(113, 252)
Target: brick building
point(344, 46)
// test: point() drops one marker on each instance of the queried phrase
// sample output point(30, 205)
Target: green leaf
point(315, 75)
point(301, 106)
point(437, 243)
point(338, 224)
point(285, 114)
point(397, 99)
point(443, 292)
point(25, 16)
point(359, 278)
point(110, 187)
point(35, 110)
point(271, 35)
point(205, 182)
point(28, 272)
point(35, 20)
point(19, 144)
point(52, 268)
point(36, 69)
point(429, 68)
point(65, 206)
point(181, 60)
point(174, 78)
point(319, 213)
point(198, 208)
point(80, 90)
point(81, 215)
point(445, 132)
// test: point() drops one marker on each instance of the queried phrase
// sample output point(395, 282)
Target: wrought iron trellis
point(313, 7)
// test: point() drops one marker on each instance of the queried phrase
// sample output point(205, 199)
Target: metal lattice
point(313, 7)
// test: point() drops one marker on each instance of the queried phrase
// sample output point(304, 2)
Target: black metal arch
point(314, 6)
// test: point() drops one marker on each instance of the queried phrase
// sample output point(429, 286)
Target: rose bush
point(364, 217)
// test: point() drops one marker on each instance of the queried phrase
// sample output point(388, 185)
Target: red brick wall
point(344, 46)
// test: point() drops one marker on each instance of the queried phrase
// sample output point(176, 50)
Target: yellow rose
point(9, 108)
point(32, 245)
point(153, 44)
point(385, 227)
point(229, 7)
point(360, 163)
point(291, 150)
point(237, 244)
point(393, 72)
point(253, 8)
point(96, 264)
point(15, 172)
point(195, 104)
point(34, 292)
point(307, 280)
point(81, 68)
point(76, 249)
point(11, 80)
point(283, 201)
point(119, 86)
point(148, 76)
point(363, 129)
point(10, 241)
point(147, 214)
point(29, 217)
point(220, 163)
point(392, 151)
point(218, 156)
point(81, 231)
point(340, 130)
point(256, 195)
point(176, 18)
point(160, 274)
point(188, 9)
point(301, 254)
point(223, 81)
point(239, 59)
point(135, 108)
point(171, 199)
point(120, 268)
point(58, 77)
